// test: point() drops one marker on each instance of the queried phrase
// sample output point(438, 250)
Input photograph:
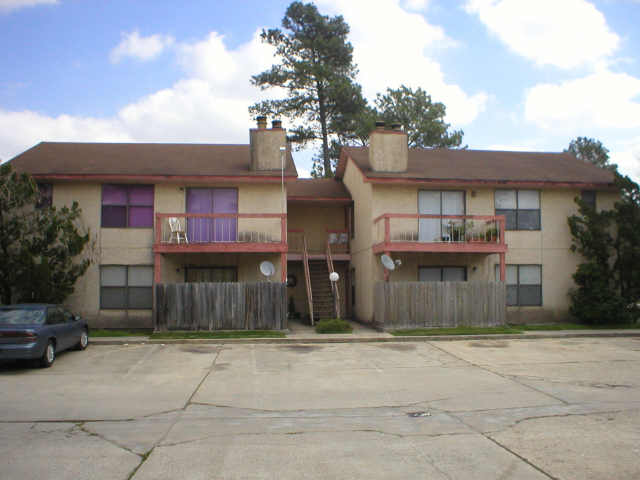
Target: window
point(45, 196)
point(127, 206)
point(524, 285)
point(434, 202)
point(126, 287)
point(54, 316)
point(520, 207)
point(589, 197)
point(442, 274)
point(211, 274)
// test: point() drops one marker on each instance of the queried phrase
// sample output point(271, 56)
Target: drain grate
point(418, 414)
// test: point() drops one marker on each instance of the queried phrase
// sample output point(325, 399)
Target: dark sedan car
point(39, 331)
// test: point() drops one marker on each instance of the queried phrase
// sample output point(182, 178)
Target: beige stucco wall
point(315, 220)
point(362, 259)
point(134, 246)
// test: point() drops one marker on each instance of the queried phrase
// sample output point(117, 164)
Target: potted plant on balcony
point(492, 234)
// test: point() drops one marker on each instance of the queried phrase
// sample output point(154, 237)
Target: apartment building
point(458, 215)
point(170, 213)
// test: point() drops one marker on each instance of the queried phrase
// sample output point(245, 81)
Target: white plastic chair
point(178, 231)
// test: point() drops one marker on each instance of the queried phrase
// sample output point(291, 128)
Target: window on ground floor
point(126, 287)
point(211, 274)
point(442, 274)
point(524, 285)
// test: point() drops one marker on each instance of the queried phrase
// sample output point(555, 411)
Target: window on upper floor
point(589, 197)
point(524, 284)
point(127, 206)
point(45, 195)
point(520, 207)
point(126, 287)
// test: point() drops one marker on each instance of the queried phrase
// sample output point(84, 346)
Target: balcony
point(220, 232)
point(338, 240)
point(400, 232)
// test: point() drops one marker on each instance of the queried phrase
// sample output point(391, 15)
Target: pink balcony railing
point(196, 229)
point(423, 232)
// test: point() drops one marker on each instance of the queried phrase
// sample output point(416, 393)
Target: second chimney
point(388, 149)
point(265, 145)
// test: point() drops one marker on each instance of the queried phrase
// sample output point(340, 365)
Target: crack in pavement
point(178, 417)
point(487, 369)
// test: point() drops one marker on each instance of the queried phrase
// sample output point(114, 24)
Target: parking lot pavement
point(510, 409)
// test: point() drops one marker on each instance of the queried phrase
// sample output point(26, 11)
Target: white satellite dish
point(387, 262)
point(267, 269)
point(334, 277)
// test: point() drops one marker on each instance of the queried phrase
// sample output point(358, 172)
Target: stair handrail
point(307, 276)
point(334, 285)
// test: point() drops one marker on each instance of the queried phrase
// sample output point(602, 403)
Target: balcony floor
point(220, 247)
point(443, 247)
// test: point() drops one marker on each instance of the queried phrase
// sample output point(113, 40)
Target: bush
point(334, 325)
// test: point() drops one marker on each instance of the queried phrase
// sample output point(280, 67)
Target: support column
point(157, 268)
point(386, 272)
point(503, 268)
point(283, 266)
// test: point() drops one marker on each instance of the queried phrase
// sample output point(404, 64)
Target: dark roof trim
point(164, 178)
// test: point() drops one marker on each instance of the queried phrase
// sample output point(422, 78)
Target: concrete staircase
point(321, 290)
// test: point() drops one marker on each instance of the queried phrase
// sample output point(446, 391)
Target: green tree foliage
point(421, 118)
point(316, 70)
point(592, 151)
point(608, 280)
point(39, 247)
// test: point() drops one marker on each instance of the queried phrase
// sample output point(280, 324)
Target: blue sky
point(514, 74)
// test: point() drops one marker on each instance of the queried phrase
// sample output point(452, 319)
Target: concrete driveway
point(480, 409)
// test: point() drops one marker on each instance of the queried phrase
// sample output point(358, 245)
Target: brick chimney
point(388, 149)
point(265, 145)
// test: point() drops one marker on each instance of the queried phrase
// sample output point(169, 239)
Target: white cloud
point(562, 33)
point(416, 5)
point(8, 5)
point(394, 47)
point(208, 105)
point(628, 159)
point(601, 100)
point(141, 48)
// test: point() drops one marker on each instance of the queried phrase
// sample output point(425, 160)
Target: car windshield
point(18, 316)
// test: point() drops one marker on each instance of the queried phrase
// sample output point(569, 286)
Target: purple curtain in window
point(225, 200)
point(127, 206)
point(199, 200)
point(141, 206)
point(212, 200)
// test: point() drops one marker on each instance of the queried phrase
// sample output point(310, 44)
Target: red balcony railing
point(444, 233)
point(212, 232)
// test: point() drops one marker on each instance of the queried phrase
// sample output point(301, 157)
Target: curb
point(310, 340)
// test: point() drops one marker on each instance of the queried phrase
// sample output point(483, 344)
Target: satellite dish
point(267, 269)
point(387, 262)
point(334, 277)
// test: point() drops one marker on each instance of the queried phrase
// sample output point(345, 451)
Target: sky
point(513, 74)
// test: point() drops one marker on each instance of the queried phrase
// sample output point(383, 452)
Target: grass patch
point(99, 332)
point(575, 326)
point(221, 334)
point(418, 332)
point(334, 325)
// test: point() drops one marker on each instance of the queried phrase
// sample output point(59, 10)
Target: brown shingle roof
point(485, 166)
point(161, 159)
point(317, 188)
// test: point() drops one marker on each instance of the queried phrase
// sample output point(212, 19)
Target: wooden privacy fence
point(221, 306)
point(439, 304)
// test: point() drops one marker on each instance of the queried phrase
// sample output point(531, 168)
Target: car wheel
point(49, 355)
point(83, 342)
